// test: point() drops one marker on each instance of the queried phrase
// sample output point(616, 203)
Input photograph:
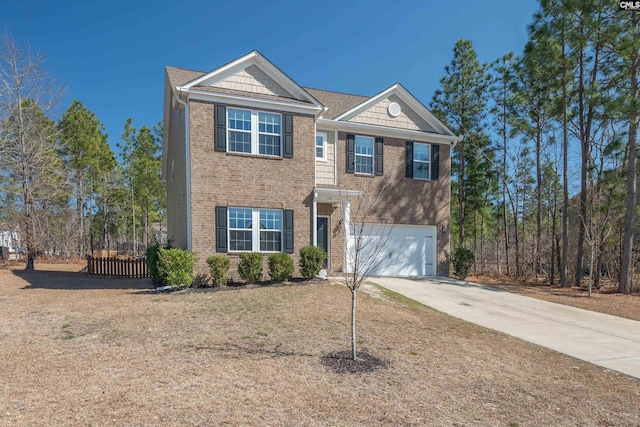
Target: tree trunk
point(624, 286)
point(353, 324)
point(565, 165)
point(538, 195)
point(461, 195)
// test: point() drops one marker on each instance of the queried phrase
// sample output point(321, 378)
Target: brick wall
point(403, 200)
point(228, 179)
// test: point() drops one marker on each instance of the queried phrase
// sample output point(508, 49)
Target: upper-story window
point(257, 132)
point(364, 154)
point(421, 160)
point(321, 146)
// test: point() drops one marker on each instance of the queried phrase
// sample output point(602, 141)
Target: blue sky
point(111, 55)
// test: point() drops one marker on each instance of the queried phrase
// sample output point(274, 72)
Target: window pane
point(270, 241)
point(421, 170)
point(319, 153)
point(421, 152)
point(319, 141)
point(239, 142)
point(269, 144)
point(239, 218)
point(269, 122)
point(364, 145)
point(270, 230)
point(364, 164)
point(239, 119)
point(240, 240)
point(270, 219)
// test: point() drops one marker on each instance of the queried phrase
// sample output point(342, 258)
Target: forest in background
point(64, 193)
point(543, 183)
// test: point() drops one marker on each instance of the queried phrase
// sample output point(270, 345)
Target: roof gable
point(412, 115)
point(252, 73)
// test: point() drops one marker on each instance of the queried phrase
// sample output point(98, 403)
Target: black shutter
point(287, 151)
point(221, 128)
point(221, 229)
point(408, 160)
point(288, 231)
point(435, 161)
point(379, 151)
point(351, 156)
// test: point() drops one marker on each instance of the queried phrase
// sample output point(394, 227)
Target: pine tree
point(461, 103)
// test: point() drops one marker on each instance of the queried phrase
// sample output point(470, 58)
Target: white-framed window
point(251, 131)
point(255, 230)
point(321, 146)
point(364, 154)
point(421, 161)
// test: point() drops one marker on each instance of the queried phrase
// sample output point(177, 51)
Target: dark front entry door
point(323, 235)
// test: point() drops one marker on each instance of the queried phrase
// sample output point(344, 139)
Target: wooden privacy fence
point(115, 267)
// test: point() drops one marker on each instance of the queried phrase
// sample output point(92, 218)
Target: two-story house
point(255, 162)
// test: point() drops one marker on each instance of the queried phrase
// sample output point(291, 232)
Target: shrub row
point(280, 265)
point(170, 266)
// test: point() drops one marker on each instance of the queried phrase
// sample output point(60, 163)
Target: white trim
point(254, 132)
point(244, 101)
point(363, 128)
point(372, 155)
point(413, 160)
point(257, 59)
point(335, 156)
point(255, 229)
point(406, 96)
point(314, 219)
point(334, 195)
point(324, 146)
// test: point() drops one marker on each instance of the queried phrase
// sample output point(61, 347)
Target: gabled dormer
point(254, 81)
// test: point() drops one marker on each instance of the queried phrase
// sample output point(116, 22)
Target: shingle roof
point(336, 102)
point(180, 76)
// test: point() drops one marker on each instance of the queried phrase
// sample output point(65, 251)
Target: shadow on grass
point(76, 281)
point(236, 351)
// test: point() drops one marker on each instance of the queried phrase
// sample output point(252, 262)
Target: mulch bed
point(342, 363)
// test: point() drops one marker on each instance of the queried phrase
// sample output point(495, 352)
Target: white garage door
point(396, 250)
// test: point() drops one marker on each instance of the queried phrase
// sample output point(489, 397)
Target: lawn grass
point(254, 357)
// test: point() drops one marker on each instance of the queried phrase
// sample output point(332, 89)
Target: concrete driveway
point(601, 339)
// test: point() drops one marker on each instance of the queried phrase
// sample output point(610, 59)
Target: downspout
point(187, 158)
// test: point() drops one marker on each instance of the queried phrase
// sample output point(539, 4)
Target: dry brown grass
point(605, 300)
point(78, 350)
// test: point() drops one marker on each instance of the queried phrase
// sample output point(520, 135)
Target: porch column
point(346, 224)
point(314, 218)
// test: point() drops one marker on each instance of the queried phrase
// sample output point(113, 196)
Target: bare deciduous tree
point(28, 141)
point(364, 243)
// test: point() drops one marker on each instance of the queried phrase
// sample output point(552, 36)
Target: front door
point(323, 235)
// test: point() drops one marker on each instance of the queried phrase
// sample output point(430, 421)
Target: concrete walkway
point(601, 339)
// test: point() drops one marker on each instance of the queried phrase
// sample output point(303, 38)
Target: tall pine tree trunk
point(626, 269)
point(538, 195)
point(565, 163)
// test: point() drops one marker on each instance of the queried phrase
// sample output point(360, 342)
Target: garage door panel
point(396, 250)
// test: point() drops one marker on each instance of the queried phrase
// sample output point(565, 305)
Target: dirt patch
point(342, 363)
point(604, 300)
point(79, 350)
